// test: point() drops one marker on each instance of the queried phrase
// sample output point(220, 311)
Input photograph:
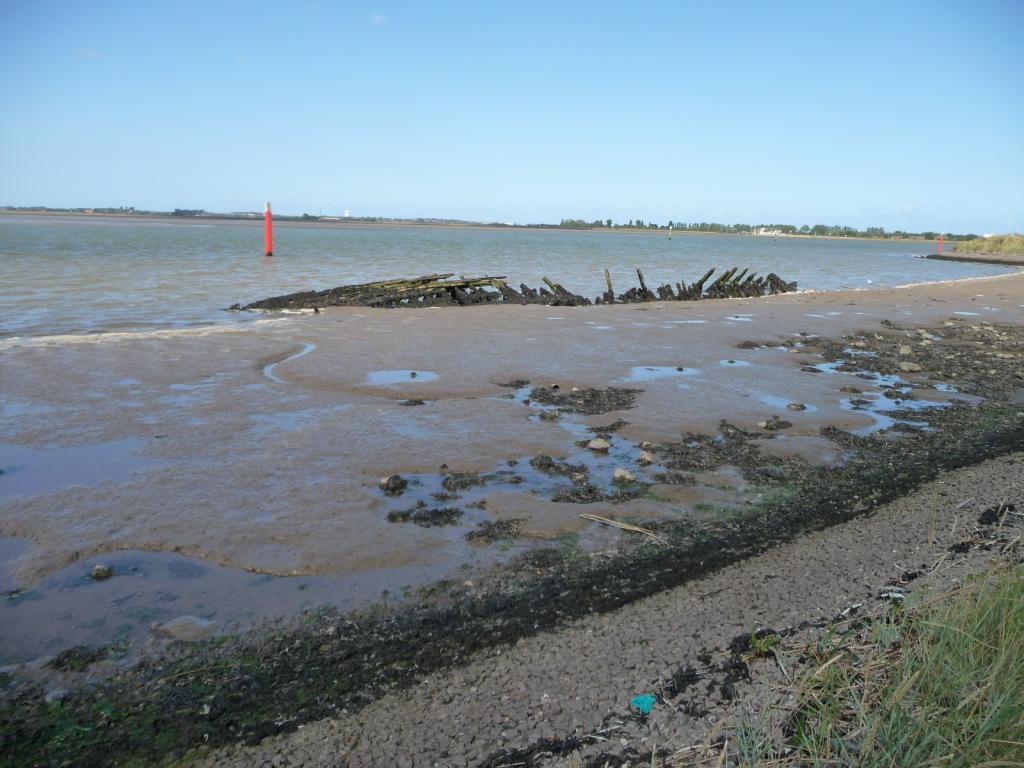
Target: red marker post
point(942, 241)
point(268, 231)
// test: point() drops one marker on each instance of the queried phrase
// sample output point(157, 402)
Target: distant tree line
point(818, 230)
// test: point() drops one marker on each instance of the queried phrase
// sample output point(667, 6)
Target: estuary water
point(72, 275)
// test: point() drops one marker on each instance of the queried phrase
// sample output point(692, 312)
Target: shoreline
point(274, 316)
point(257, 221)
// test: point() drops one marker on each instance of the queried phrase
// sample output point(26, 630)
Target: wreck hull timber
point(441, 290)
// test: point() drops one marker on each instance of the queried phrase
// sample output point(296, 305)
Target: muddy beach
point(720, 427)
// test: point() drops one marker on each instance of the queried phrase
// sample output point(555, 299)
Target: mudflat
point(450, 455)
point(261, 447)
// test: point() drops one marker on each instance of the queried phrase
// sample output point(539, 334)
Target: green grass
point(940, 684)
point(1007, 244)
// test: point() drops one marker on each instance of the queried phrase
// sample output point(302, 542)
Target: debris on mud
point(393, 485)
point(496, 530)
point(78, 658)
point(460, 481)
point(101, 572)
point(588, 402)
point(549, 466)
point(426, 516)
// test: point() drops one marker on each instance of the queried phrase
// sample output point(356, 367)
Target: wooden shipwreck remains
point(441, 290)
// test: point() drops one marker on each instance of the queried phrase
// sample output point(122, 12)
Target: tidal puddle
point(268, 370)
point(888, 408)
point(12, 409)
point(733, 363)
point(151, 588)
point(783, 403)
point(653, 372)
point(405, 376)
point(31, 471)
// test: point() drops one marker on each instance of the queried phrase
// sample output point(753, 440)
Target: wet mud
point(267, 683)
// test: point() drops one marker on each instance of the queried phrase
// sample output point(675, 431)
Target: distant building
point(768, 232)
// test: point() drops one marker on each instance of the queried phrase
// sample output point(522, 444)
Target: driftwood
point(441, 290)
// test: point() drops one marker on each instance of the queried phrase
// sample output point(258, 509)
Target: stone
point(101, 572)
point(797, 407)
point(646, 457)
point(909, 367)
point(623, 476)
point(599, 444)
point(184, 628)
point(906, 350)
point(393, 485)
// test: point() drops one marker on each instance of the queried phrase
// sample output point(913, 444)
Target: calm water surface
point(68, 275)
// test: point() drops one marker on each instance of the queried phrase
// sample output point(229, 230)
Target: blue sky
point(897, 114)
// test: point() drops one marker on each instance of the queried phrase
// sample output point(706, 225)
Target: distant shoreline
point(1006, 259)
point(291, 221)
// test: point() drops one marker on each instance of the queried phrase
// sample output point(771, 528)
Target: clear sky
point(900, 114)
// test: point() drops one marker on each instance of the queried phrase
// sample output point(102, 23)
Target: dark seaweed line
point(283, 681)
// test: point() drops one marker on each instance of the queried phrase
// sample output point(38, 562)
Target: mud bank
point(260, 685)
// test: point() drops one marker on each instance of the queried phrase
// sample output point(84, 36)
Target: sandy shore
point(206, 454)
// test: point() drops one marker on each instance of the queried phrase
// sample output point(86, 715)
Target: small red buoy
point(268, 231)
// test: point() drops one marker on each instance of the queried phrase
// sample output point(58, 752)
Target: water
point(62, 275)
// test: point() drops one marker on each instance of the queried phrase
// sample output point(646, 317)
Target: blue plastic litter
point(643, 703)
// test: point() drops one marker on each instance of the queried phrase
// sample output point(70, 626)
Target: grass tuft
point(939, 684)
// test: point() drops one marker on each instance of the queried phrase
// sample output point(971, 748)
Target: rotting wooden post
point(608, 281)
point(643, 286)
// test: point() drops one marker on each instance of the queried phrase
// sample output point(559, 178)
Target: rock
point(773, 423)
point(796, 407)
point(101, 572)
point(646, 445)
point(906, 350)
point(646, 457)
point(393, 485)
point(623, 476)
point(412, 401)
point(186, 628)
point(909, 367)
point(599, 444)
point(550, 415)
point(859, 344)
